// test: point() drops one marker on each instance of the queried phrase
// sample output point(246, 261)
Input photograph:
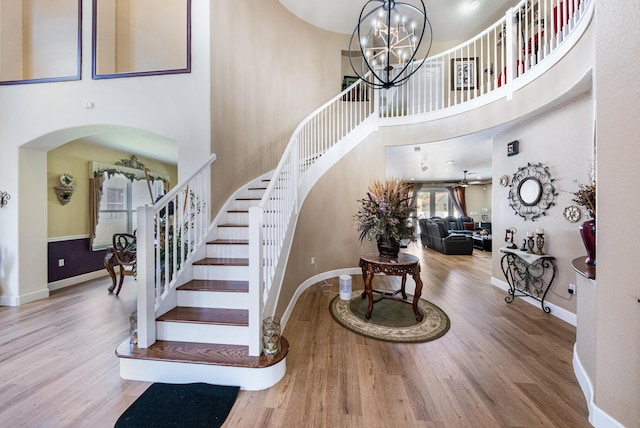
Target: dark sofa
point(434, 234)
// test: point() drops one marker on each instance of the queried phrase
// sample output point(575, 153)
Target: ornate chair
point(124, 252)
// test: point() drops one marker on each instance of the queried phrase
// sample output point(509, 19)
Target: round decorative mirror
point(531, 192)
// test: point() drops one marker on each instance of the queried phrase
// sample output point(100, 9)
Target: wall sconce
point(4, 198)
point(65, 191)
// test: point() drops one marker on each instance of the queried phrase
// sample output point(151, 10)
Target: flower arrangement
point(385, 212)
point(585, 196)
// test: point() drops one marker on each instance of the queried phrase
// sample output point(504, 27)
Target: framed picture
point(356, 94)
point(464, 73)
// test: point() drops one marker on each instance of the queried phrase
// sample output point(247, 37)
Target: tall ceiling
point(451, 20)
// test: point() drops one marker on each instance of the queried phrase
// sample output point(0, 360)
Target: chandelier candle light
point(388, 36)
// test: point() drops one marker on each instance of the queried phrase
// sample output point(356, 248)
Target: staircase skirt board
point(180, 362)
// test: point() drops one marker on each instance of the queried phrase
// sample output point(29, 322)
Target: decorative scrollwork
point(529, 279)
point(531, 191)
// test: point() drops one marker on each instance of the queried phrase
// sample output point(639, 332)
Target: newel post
point(146, 292)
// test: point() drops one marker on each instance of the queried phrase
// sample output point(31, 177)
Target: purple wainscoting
point(78, 259)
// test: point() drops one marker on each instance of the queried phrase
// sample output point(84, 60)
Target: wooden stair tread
point(229, 242)
point(248, 199)
point(218, 316)
point(233, 225)
point(203, 353)
point(216, 285)
point(238, 211)
point(221, 261)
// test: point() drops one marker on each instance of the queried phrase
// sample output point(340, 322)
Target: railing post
point(510, 40)
point(294, 163)
point(146, 292)
point(256, 280)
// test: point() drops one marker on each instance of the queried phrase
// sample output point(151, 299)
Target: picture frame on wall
point(356, 94)
point(464, 73)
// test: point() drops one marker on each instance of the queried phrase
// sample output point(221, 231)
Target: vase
point(388, 248)
point(588, 233)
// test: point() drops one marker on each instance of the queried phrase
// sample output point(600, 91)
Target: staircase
point(229, 272)
point(205, 337)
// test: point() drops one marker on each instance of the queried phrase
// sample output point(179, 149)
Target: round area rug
point(392, 320)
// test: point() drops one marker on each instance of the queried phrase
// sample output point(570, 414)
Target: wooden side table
point(403, 265)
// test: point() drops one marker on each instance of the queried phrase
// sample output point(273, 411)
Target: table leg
point(108, 265)
point(369, 290)
point(404, 282)
point(416, 296)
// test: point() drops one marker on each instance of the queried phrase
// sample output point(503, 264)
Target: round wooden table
point(403, 265)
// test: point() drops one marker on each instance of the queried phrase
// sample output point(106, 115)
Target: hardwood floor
point(499, 365)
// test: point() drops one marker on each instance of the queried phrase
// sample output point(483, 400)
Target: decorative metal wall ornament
point(388, 35)
point(4, 198)
point(531, 192)
point(572, 213)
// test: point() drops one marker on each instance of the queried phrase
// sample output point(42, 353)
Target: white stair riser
point(229, 251)
point(255, 193)
point(240, 273)
point(202, 333)
point(250, 379)
point(246, 204)
point(213, 299)
point(238, 218)
point(233, 232)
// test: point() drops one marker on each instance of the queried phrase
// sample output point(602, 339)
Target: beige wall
point(269, 71)
point(73, 158)
point(561, 140)
point(617, 382)
point(332, 202)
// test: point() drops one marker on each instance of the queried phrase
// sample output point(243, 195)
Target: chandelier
point(388, 36)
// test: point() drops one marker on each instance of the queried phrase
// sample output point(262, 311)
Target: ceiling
point(341, 16)
point(442, 162)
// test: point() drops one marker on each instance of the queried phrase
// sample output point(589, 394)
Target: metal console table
point(528, 275)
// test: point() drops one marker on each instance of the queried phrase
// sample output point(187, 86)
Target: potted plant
point(585, 196)
point(385, 214)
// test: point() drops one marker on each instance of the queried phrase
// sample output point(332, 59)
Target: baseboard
point(556, 311)
point(67, 282)
point(25, 298)
point(311, 281)
point(597, 417)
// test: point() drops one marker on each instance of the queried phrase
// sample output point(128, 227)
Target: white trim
point(556, 311)
point(67, 238)
point(597, 417)
point(25, 298)
point(67, 282)
point(311, 281)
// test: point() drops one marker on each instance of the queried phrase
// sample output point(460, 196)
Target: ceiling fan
point(464, 182)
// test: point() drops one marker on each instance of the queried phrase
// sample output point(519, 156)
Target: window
point(120, 199)
point(435, 203)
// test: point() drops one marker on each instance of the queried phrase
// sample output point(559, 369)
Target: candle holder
point(530, 245)
point(540, 243)
point(271, 335)
point(524, 245)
